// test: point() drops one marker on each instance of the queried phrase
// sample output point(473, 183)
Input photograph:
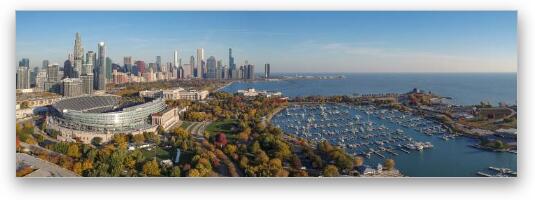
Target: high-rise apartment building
point(267, 70)
point(71, 87)
point(23, 77)
point(78, 56)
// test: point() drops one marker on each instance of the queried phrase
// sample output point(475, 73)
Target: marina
point(420, 146)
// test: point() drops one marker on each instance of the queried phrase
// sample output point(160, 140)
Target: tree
point(359, 161)
point(24, 105)
point(330, 171)
point(221, 140)
point(389, 164)
point(96, 141)
point(180, 133)
point(139, 139)
point(231, 149)
point(77, 168)
point(175, 171)
point(73, 151)
point(244, 135)
point(151, 168)
point(193, 173)
point(87, 164)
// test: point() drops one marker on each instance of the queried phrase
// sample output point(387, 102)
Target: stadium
point(86, 117)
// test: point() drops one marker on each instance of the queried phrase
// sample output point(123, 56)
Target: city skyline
point(291, 41)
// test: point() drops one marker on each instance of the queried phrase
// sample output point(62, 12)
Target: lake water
point(465, 89)
point(452, 158)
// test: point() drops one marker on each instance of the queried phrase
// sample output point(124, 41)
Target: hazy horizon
point(291, 41)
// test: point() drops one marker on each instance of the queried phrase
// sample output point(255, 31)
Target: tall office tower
point(101, 75)
point(78, 56)
point(175, 59)
point(241, 74)
point(23, 77)
point(224, 72)
point(187, 71)
point(267, 70)
point(71, 87)
point(231, 64)
point(40, 80)
point(67, 69)
point(250, 72)
point(52, 72)
point(211, 65)
point(91, 58)
point(193, 67)
point(127, 63)
point(87, 83)
point(141, 67)
point(218, 69)
point(158, 64)
point(33, 75)
point(89, 65)
point(25, 62)
point(199, 63)
point(109, 68)
point(45, 64)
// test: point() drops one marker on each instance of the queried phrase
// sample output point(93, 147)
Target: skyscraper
point(90, 63)
point(158, 64)
point(140, 65)
point(45, 64)
point(52, 82)
point(52, 72)
point(78, 55)
point(23, 77)
point(267, 70)
point(109, 68)
point(40, 80)
point(199, 63)
point(193, 68)
point(175, 59)
point(72, 87)
point(101, 75)
point(25, 62)
point(211, 65)
point(127, 63)
point(231, 65)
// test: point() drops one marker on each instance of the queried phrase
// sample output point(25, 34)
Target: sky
point(291, 41)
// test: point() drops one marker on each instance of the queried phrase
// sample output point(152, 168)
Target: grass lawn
point(157, 152)
point(229, 126)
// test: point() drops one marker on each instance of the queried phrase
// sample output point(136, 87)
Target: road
point(197, 129)
point(45, 168)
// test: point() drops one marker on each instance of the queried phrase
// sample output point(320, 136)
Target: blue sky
point(291, 41)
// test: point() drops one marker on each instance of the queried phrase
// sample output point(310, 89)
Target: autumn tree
point(139, 139)
point(330, 171)
point(389, 164)
point(151, 168)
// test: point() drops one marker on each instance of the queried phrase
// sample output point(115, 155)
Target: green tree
point(175, 171)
